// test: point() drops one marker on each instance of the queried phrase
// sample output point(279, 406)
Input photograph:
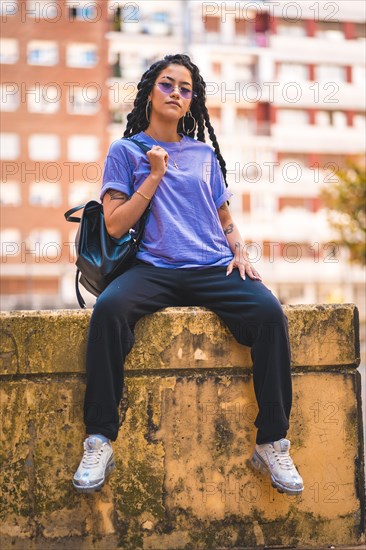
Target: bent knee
point(271, 311)
point(109, 305)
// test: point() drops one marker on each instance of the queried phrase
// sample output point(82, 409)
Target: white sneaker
point(97, 463)
point(275, 460)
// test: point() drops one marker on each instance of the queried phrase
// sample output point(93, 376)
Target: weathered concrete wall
point(183, 479)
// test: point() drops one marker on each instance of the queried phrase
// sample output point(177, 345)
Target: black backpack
point(100, 257)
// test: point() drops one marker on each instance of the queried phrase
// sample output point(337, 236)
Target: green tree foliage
point(345, 200)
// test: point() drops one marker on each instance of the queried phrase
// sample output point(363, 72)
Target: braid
point(136, 119)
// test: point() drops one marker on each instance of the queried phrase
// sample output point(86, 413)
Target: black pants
point(249, 309)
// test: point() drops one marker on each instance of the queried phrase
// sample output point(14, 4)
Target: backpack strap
point(140, 144)
point(69, 217)
point(77, 290)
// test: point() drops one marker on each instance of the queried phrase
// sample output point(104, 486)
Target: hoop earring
point(146, 108)
point(189, 115)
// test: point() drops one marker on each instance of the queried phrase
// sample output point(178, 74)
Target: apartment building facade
point(288, 100)
point(54, 114)
point(285, 96)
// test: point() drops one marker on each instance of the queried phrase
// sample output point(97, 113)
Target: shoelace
point(285, 460)
point(91, 457)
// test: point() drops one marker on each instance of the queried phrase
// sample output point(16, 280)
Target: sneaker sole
point(96, 488)
point(260, 465)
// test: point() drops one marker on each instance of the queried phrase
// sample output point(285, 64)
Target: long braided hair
point(136, 119)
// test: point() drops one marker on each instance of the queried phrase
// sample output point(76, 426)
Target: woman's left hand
point(244, 266)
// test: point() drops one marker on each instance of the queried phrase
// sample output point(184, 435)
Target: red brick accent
point(245, 201)
point(349, 30)
point(310, 27)
point(349, 74)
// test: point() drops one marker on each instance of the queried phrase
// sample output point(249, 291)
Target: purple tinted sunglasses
point(167, 88)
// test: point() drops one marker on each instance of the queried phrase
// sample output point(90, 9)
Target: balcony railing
point(250, 40)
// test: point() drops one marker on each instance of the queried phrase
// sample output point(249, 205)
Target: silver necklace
point(180, 150)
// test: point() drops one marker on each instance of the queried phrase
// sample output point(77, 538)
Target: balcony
point(250, 40)
point(319, 93)
point(308, 138)
point(316, 50)
point(132, 23)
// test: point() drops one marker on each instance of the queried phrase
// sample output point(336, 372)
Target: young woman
point(191, 254)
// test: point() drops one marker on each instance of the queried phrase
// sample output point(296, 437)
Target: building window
point(9, 146)
point(8, 7)
point(158, 24)
point(42, 52)
point(44, 147)
point(43, 9)
point(339, 119)
point(82, 13)
point(116, 63)
point(131, 65)
point(323, 118)
point(263, 203)
point(45, 193)
point(330, 30)
point(331, 118)
point(360, 31)
point(43, 99)
point(291, 28)
point(45, 240)
point(10, 194)
point(10, 241)
point(81, 191)
point(9, 97)
point(293, 72)
point(243, 72)
point(9, 51)
point(359, 121)
point(80, 102)
point(330, 73)
point(244, 122)
point(129, 17)
point(359, 75)
point(292, 116)
point(81, 55)
point(83, 148)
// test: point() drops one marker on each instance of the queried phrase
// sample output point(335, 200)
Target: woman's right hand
point(158, 159)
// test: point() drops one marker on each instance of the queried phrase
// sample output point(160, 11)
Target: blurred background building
point(285, 93)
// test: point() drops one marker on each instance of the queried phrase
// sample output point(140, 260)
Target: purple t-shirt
point(183, 229)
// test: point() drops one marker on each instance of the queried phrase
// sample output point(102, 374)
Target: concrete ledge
point(54, 341)
point(183, 478)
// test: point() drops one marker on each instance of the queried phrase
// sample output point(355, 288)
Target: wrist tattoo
point(229, 229)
